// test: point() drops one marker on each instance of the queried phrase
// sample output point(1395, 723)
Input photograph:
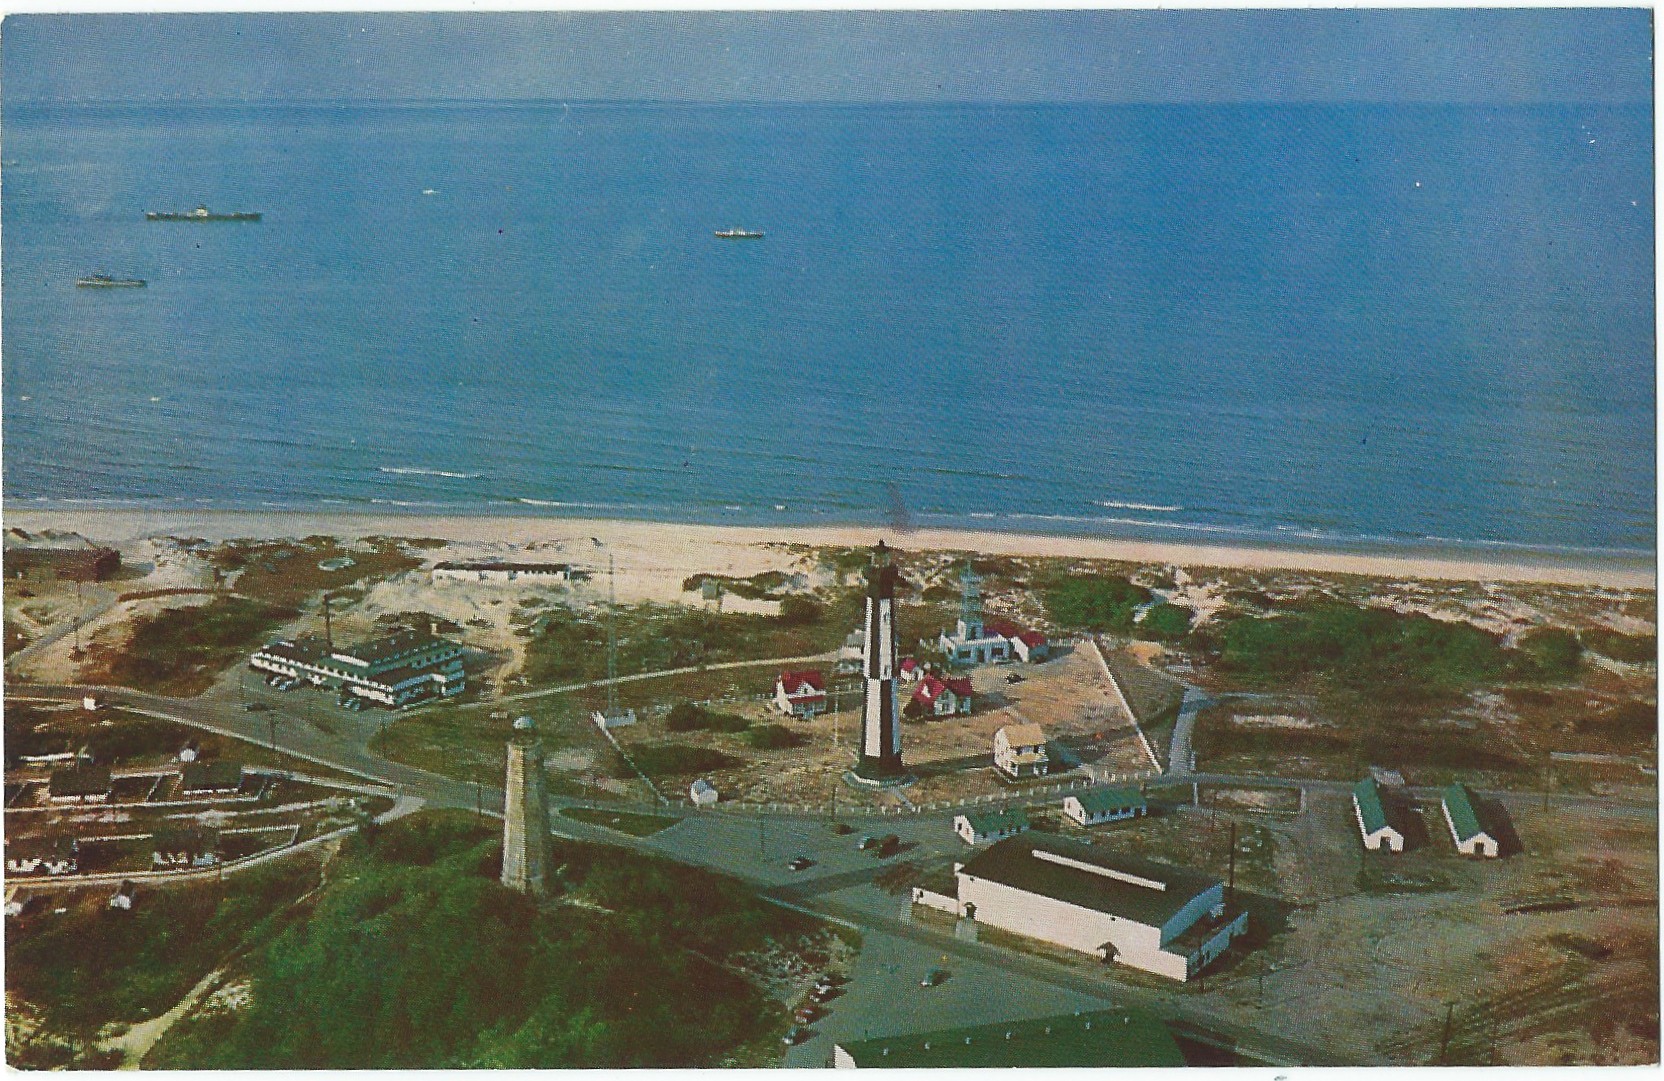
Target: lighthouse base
point(875, 779)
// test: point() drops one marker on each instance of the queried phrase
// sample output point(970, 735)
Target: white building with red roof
point(937, 697)
point(1030, 646)
point(800, 694)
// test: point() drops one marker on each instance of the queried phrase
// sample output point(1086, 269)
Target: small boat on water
point(104, 281)
point(201, 213)
point(737, 233)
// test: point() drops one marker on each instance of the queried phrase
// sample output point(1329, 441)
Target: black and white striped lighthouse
point(880, 761)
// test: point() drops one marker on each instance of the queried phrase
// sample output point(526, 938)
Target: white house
point(92, 703)
point(1466, 829)
point(1099, 805)
point(180, 848)
point(909, 670)
point(1020, 751)
point(1371, 813)
point(1162, 919)
point(977, 827)
point(42, 856)
point(123, 897)
point(703, 793)
point(189, 752)
point(973, 643)
point(938, 697)
point(1031, 647)
point(800, 694)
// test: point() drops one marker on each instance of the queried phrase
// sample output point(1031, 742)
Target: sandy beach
point(672, 550)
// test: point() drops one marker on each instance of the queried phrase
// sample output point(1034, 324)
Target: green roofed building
point(1099, 1038)
point(975, 827)
point(1372, 818)
point(1105, 805)
point(1466, 828)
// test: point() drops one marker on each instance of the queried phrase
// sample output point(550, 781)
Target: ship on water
point(737, 233)
point(201, 213)
point(105, 281)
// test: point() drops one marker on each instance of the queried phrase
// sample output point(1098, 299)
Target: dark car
point(801, 863)
point(794, 1035)
point(933, 977)
point(867, 843)
point(887, 845)
point(1015, 677)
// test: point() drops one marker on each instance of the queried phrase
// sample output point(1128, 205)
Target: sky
point(1504, 56)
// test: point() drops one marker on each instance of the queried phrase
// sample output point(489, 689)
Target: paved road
point(568, 688)
point(756, 848)
point(1180, 758)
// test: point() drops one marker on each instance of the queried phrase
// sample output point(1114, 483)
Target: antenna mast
point(612, 642)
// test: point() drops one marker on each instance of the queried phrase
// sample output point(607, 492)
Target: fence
point(991, 799)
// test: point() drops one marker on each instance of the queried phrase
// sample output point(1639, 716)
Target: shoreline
point(119, 526)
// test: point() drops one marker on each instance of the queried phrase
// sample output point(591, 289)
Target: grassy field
point(630, 822)
point(287, 573)
point(180, 651)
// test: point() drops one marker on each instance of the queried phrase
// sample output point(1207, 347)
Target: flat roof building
point(392, 671)
point(1153, 916)
point(1097, 1038)
point(976, 827)
point(497, 571)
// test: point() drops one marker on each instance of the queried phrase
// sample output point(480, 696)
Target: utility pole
point(76, 652)
point(1230, 889)
point(612, 643)
point(329, 637)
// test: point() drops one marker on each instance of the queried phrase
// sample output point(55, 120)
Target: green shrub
point(687, 717)
point(800, 611)
point(1368, 648)
point(1093, 602)
point(1628, 648)
point(1549, 653)
point(673, 759)
point(773, 737)
point(1164, 623)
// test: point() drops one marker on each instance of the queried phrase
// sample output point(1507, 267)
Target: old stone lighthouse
point(525, 812)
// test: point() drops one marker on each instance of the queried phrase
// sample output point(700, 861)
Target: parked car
point(823, 994)
point(933, 977)
point(1015, 677)
point(800, 863)
point(867, 843)
point(806, 1013)
point(887, 845)
point(794, 1035)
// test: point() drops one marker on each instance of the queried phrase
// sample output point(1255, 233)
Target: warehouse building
point(1372, 818)
point(1151, 916)
point(1099, 805)
point(211, 779)
point(1098, 1038)
point(1467, 829)
point(66, 564)
point(80, 783)
point(393, 671)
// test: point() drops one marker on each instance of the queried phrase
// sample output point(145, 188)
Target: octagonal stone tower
point(525, 812)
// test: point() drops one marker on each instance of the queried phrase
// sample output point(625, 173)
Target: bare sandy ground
point(680, 549)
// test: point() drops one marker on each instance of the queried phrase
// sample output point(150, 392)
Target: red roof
point(1032, 638)
point(930, 688)
point(908, 664)
point(799, 684)
point(1002, 627)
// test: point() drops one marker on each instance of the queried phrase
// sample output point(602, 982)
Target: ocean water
point(1335, 325)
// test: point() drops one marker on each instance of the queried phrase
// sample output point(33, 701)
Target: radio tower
point(612, 641)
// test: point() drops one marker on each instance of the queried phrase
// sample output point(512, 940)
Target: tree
point(1164, 623)
point(1093, 602)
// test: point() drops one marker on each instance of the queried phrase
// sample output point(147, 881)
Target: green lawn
point(181, 650)
point(630, 822)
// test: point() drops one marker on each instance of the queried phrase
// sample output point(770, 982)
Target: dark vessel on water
point(201, 213)
point(104, 281)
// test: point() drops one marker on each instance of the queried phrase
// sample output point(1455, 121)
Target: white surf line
point(1115, 687)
